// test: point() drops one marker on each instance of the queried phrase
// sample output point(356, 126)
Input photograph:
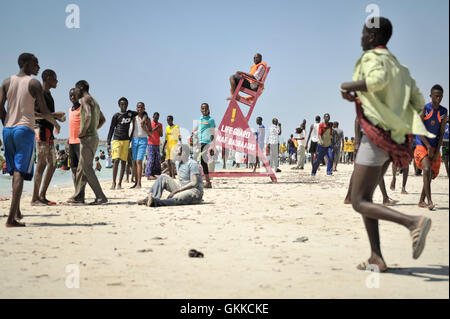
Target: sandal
point(419, 236)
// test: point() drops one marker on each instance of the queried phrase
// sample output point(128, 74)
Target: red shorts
point(44, 136)
point(419, 154)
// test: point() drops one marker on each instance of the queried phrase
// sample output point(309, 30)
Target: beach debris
point(195, 254)
point(301, 239)
point(148, 250)
point(159, 238)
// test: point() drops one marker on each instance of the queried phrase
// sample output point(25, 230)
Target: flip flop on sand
point(365, 265)
point(419, 236)
point(99, 201)
point(3, 198)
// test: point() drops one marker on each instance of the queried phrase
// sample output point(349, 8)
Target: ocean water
point(63, 179)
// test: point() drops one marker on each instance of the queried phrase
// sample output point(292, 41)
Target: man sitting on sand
point(190, 189)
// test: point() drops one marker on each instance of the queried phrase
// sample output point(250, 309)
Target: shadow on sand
point(422, 272)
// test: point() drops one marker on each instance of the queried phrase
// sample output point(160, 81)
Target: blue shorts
point(138, 147)
point(19, 150)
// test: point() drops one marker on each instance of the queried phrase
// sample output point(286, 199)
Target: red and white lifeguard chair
point(234, 133)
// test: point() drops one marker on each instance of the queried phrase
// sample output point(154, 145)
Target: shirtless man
point(21, 91)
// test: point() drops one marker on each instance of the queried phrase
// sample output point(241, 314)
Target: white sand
point(246, 228)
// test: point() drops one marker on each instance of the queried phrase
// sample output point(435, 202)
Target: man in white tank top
point(139, 141)
point(21, 91)
point(314, 135)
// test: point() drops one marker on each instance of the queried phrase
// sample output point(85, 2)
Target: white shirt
point(302, 141)
point(138, 130)
point(274, 131)
point(315, 133)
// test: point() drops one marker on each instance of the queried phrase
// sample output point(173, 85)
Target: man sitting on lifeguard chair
point(256, 72)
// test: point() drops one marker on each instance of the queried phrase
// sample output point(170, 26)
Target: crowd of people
point(384, 133)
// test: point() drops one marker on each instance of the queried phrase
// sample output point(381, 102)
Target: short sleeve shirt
point(205, 127)
point(154, 139)
point(185, 170)
point(274, 130)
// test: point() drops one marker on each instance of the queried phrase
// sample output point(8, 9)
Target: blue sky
point(174, 55)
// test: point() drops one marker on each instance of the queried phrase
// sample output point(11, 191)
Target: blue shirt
point(260, 139)
point(205, 127)
point(432, 119)
point(185, 170)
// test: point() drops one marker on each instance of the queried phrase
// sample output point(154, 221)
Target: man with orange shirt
point(74, 129)
point(256, 72)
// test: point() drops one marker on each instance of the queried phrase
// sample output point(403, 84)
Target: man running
point(382, 87)
point(22, 92)
point(92, 119)
point(426, 154)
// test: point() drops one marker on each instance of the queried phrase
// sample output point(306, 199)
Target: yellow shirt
point(392, 101)
point(282, 148)
point(346, 146)
point(172, 136)
point(351, 147)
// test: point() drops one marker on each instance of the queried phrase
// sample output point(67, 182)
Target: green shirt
point(95, 118)
point(392, 101)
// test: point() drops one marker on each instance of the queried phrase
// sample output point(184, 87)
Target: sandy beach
point(248, 230)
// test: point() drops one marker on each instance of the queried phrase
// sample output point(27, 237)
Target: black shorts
point(74, 154)
point(246, 84)
point(313, 148)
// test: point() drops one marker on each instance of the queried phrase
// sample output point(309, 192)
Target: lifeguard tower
point(234, 132)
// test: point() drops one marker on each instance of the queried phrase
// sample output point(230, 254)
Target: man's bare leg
point(364, 183)
point(122, 172)
point(394, 175)
point(17, 187)
point(387, 201)
point(134, 169)
point(426, 191)
point(40, 167)
point(51, 167)
point(138, 173)
point(115, 169)
point(405, 179)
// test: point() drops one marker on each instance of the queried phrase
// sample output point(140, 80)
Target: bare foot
point(393, 185)
point(404, 192)
point(207, 185)
point(422, 204)
point(142, 201)
point(431, 206)
point(113, 187)
point(151, 178)
point(119, 186)
point(371, 263)
point(138, 186)
point(14, 223)
point(347, 201)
